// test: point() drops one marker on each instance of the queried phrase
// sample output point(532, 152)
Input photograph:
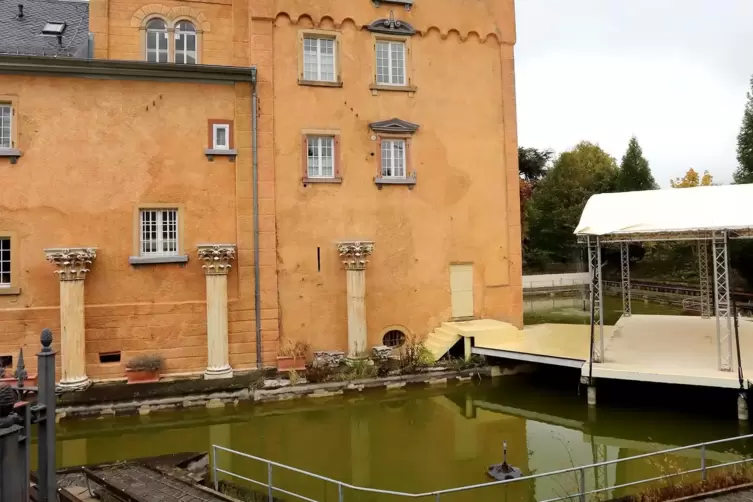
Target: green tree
point(744, 172)
point(533, 163)
point(532, 166)
point(558, 201)
point(635, 174)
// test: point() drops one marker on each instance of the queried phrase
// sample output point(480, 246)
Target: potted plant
point(292, 356)
point(144, 368)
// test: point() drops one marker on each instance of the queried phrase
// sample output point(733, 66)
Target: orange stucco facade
point(111, 146)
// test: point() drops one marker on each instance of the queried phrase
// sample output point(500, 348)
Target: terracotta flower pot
point(142, 376)
point(287, 363)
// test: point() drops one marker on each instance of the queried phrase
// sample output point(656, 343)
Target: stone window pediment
point(391, 26)
point(394, 126)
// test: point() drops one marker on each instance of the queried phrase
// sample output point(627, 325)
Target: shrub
point(147, 362)
point(297, 350)
point(319, 374)
point(414, 355)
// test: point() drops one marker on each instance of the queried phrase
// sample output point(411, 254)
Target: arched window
point(185, 43)
point(156, 41)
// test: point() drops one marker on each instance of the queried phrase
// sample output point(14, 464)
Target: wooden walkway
point(135, 482)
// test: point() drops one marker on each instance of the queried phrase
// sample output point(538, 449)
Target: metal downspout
point(255, 182)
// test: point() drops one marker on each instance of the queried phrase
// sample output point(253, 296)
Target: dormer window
point(53, 28)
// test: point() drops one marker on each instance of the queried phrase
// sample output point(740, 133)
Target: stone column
point(72, 266)
point(217, 259)
point(354, 255)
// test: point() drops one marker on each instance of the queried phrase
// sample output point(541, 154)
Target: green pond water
point(432, 438)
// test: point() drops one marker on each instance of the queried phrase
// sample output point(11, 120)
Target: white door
point(461, 289)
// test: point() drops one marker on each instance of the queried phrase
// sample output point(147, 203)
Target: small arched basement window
point(394, 338)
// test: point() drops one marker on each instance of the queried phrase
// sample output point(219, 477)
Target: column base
point(79, 383)
point(215, 373)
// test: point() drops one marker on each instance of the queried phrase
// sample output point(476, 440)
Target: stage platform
point(678, 350)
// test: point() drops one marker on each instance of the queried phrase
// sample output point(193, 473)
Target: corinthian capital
point(72, 263)
point(217, 258)
point(354, 254)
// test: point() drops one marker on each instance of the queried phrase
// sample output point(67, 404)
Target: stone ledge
point(319, 83)
point(156, 260)
point(10, 291)
point(336, 180)
point(409, 181)
point(12, 153)
point(211, 153)
point(121, 399)
point(375, 88)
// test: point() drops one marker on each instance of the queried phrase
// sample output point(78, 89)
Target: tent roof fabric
point(671, 211)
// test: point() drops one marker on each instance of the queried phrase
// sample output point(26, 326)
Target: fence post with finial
point(46, 421)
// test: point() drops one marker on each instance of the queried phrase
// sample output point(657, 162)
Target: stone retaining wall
point(173, 395)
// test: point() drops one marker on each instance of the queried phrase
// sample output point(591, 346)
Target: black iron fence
point(22, 406)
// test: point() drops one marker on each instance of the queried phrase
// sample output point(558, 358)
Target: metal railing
point(579, 472)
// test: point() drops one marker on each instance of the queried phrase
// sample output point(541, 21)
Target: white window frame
point(162, 35)
point(318, 170)
point(215, 129)
point(162, 218)
point(319, 41)
point(390, 61)
point(6, 266)
point(6, 142)
point(389, 162)
point(186, 52)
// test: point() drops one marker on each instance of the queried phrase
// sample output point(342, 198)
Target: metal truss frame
point(722, 301)
point(703, 274)
point(666, 236)
point(625, 283)
point(597, 296)
point(721, 293)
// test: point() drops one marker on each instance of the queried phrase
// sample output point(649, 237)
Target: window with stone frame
point(185, 43)
point(394, 158)
point(390, 62)
point(320, 158)
point(158, 232)
point(319, 59)
point(157, 41)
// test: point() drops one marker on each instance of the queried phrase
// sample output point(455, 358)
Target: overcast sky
point(672, 72)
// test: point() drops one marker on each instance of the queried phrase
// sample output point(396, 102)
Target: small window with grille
point(6, 119)
point(5, 271)
point(159, 232)
point(393, 338)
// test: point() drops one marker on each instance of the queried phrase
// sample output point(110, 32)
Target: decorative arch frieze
point(313, 22)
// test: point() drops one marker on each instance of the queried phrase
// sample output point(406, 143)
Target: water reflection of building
point(415, 441)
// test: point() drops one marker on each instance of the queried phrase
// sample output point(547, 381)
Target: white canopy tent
point(711, 214)
point(668, 214)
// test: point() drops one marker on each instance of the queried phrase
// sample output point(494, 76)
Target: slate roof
point(23, 35)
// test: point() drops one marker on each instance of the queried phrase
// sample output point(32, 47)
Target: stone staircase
point(442, 339)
